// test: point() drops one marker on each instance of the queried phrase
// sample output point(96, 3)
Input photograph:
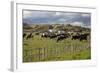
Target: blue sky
point(51, 17)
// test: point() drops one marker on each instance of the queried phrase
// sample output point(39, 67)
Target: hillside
point(46, 27)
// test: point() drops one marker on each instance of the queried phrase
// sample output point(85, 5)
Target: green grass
point(63, 50)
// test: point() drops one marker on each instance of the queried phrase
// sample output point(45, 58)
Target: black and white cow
point(29, 36)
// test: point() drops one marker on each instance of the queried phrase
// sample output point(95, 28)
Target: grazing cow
point(52, 35)
point(29, 36)
point(80, 37)
point(83, 37)
point(61, 37)
point(48, 35)
point(24, 35)
point(44, 35)
point(74, 37)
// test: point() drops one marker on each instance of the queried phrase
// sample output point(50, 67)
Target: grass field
point(44, 49)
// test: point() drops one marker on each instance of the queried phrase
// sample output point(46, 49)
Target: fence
point(45, 54)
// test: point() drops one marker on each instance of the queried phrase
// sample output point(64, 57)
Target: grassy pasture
point(44, 49)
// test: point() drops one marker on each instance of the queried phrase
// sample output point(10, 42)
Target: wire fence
point(45, 54)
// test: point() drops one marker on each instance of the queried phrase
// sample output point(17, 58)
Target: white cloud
point(37, 14)
point(27, 14)
point(58, 13)
point(77, 23)
point(85, 15)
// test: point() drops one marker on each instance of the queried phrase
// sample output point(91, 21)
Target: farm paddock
point(37, 49)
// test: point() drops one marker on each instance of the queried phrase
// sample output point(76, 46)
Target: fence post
point(39, 54)
point(44, 54)
point(30, 55)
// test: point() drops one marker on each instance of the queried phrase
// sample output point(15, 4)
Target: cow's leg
point(80, 39)
point(57, 40)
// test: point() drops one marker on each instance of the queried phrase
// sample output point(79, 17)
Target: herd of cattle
point(59, 37)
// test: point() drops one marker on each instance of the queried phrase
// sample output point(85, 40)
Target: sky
point(52, 17)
